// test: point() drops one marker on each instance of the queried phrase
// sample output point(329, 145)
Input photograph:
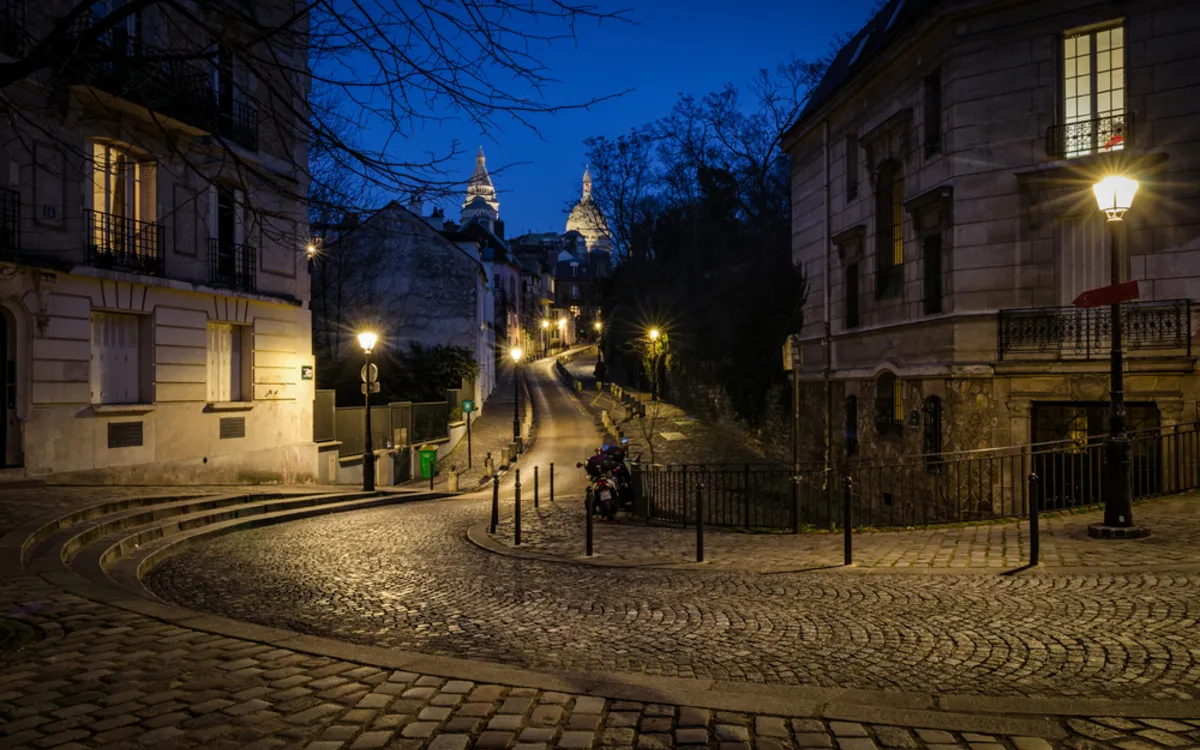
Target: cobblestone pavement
point(560, 531)
point(678, 437)
point(113, 679)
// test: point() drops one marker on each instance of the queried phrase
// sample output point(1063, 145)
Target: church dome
point(587, 219)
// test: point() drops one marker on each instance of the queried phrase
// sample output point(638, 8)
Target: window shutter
point(147, 188)
point(235, 363)
point(213, 365)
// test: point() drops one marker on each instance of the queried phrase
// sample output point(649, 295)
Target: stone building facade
point(153, 287)
point(944, 217)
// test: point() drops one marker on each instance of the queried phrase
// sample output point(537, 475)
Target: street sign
point(1108, 295)
point(306, 372)
point(362, 373)
point(468, 406)
point(374, 388)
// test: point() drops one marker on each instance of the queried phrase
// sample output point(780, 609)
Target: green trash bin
point(428, 460)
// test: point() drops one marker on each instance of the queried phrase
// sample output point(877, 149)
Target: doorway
point(10, 432)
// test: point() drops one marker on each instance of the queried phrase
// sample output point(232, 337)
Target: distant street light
point(516, 357)
point(655, 352)
point(367, 340)
point(654, 334)
point(562, 332)
point(545, 335)
point(1114, 196)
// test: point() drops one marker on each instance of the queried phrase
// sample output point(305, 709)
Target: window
point(225, 363)
point(1093, 91)
point(889, 405)
point(851, 167)
point(852, 295)
point(933, 113)
point(889, 231)
point(850, 430)
point(116, 364)
point(124, 205)
point(574, 291)
point(933, 434)
point(858, 50)
point(931, 251)
point(1084, 252)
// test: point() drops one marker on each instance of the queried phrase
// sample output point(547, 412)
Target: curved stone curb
point(479, 536)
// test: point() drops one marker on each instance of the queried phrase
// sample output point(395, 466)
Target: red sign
point(1108, 295)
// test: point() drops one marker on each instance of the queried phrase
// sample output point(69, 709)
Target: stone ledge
point(1100, 531)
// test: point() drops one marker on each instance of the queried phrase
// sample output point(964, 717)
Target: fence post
point(746, 498)
point(551, 481)
point(535, 487)
point(517, 510)
point(495, 501)
point(590, 509)
point(847, 539)
point(1034, 530)
point(700, 522)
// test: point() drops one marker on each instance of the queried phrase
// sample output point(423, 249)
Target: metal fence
point(430, 421)
point(392, 425)
point(918, 490)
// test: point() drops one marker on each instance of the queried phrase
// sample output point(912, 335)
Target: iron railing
point(232, 266)
point(1149, 329)
point(117, 62)
point(10, 223)
point(430, 421)
point(1101, 135)
point(123, 243)
point(918, 490)
point(12, 28)
point(238, 123)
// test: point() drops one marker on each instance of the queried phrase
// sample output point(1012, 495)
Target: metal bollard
point(796, 522)
point(432, 474)
point(699, 523)
point(589, 507)
point(551, 481)
point(535, 487)
point(847, 539)
point(495, 502)
point(517, 509)
point(1034, 531)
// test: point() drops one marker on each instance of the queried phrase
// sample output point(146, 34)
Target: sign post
point(468, 406)
point(1113, 294)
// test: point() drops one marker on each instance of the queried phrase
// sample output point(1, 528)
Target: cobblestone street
point(387, 627)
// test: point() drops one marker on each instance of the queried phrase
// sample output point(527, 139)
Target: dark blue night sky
point(675, 46)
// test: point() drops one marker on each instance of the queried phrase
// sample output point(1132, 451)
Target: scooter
point(602, 491)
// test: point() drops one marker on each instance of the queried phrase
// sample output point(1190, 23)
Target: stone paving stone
point(486, 694)
point(517, 705)
point(576, 740)
point(847, 729)
point(435, 713)
point(691, 736)
point(935, 736)
point(588, 705)
point(420, 729)
point(1165, 739)
point(313, 714)
point(893, 736)
point(549, 715)
point(655, 742)
point(656, 724)
point(450, 742)
point(813, 739)
point(1031, 743)
point(622, 719)
point(463, 724)
point(474, 709)
point(694, 717)
point(494, 740)
point(770, 726)
point(374, 700)
point(538, 734)
point(589, 722)
point(371, 740)
point(857, 743)
point(506, 722)
point(731, 733)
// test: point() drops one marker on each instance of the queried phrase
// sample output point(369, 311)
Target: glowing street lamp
point(655, 353)
point(654, 334)
point(516, 357)
point(545, 335)
point(367, 340)
point(1114, 196)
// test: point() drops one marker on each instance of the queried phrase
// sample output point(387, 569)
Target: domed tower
point(480, 205)
point(587, 219)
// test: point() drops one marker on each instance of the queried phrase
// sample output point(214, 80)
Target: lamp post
point(367, 341)
point(545, 335)
point(516, 357)
point(562, 332)
point(654, 364)
point(1114, 196)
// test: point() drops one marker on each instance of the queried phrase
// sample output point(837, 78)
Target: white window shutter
point(235, 364)
point(213, 365)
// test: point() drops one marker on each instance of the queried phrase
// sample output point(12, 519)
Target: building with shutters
point(943, 215)
point(153, 284)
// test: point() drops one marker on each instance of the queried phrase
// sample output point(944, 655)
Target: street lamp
point(654, 334)
point(516, 356)
point(562, 332)
point(1114, 196)
point(367, 340)
point(545, 335)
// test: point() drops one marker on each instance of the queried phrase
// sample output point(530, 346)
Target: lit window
point(1094, 91)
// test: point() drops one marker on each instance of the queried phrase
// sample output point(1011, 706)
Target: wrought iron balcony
point(12, 29)
point(1102, 135)
point(122, 243)
point(1149, 329)
point(123, 66)
point(10, 223)
point(232, 266)
point(238, 123)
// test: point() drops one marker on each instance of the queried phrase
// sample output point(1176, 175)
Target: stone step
point(128, 567)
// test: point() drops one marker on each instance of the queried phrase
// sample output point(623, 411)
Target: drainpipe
point(828, 463)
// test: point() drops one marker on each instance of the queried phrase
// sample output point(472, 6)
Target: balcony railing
point(239, 124)
point(123, 66)
point(1149, 329)
point(123, 243)
point(10, 223)
point(12, 29)
point(1101, 135)
point(232, 266)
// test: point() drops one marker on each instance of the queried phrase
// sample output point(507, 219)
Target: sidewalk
point(558, 531)
point(678, 438)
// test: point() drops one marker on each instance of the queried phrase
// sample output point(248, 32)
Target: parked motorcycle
point(611, 487)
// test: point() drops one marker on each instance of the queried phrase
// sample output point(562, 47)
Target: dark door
point(226, 232)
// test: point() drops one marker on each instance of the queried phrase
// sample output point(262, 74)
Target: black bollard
point(495, 502)
point(535, 487)
point(589, 508)
point(796, 520)
point(847, 540)
point(551, 481)
point(1034, 531)
point(517, 509)
point(699, 523)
